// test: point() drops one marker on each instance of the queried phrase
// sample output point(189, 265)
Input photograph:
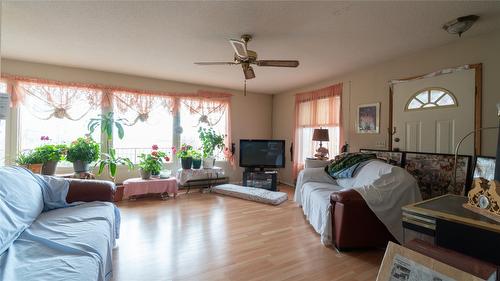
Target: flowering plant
point(186, 151)
point(153, 161)
point(84, 149)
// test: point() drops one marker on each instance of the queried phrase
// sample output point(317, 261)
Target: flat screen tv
point(262, 153)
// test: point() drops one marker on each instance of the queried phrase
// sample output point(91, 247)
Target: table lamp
point(321, 135)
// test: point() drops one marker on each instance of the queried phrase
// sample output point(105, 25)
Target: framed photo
point(434, 173)
point(484, 167)
point(368, 118)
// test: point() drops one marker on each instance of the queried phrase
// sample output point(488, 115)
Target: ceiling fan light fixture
point(460, 24)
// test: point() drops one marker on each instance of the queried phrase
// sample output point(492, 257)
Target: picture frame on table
point(368, 118)
point(484, 167)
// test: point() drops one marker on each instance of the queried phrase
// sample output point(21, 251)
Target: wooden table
point(445, 222)
point(138, 186)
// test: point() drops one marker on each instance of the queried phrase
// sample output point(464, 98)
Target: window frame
point(428, 91)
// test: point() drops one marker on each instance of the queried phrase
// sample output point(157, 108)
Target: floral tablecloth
point(185, 175)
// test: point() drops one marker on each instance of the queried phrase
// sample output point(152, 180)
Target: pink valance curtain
point(314, 109)
point(50, 98)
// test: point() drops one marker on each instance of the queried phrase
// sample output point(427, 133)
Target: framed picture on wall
point(368, 118)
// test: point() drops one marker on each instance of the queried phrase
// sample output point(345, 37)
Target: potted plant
point(211, 141)
point(107, 122)
point(152, 163)
point(111, 161)
point(82, 152)
point(196, 159)
point(30, 161)
point(185, 154)
point(50, 155)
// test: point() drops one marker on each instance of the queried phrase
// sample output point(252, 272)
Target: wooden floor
point(204, 236)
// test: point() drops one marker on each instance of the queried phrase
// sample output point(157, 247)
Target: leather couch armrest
point(90, 190)
point(347, 195)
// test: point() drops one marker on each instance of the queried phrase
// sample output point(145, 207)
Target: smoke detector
point(460, 24)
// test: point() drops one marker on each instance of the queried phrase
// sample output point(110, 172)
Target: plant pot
point(49, 167)
point(81, 166)
point(35, 168)
point(186, 162)
point(208, 163)
point(196, 163)
point(145, 175)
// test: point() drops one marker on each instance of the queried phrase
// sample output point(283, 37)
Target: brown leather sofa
point(354, 225)
point(90, 190)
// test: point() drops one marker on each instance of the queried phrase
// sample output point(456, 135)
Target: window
point(431, 98)
point(141, 135)
point(3, 127)
point(203, 115)
point(61, 113)
point(320, 108)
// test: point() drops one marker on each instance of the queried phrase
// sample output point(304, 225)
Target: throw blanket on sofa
point(384, 187)
point(347, 165)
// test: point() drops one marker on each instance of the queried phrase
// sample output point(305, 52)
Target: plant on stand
point(111, 161)
point(152, 163)
point(196, 159)
point(185, 154)
point(82, 152)
point(211, 141)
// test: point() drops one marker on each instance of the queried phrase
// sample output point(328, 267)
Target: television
point(262, 154)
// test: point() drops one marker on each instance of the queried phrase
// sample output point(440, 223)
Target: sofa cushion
point(21, 202)
point(367, 174)
point(73, 243)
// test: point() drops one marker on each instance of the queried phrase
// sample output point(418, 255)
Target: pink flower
point(154, 147)
point(154, 153)
point(174, 150)
point(44, 138)
point(167, 158)
point(183, 147)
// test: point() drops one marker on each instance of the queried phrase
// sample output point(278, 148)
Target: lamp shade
point(320, 135)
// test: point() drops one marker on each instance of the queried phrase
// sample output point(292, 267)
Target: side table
point(138, 186)
point(200, 177)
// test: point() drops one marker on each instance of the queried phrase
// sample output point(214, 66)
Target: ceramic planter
point(49, 167)
point(196, 163)
point(208, 163)
point(35, 168)
point(81, 166)
point(186, 162)
point(145, 175)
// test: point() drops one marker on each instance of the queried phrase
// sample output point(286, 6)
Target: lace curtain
point(46, 101)
point(318, 108)
point(140, 104)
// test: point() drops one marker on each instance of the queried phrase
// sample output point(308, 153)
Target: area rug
point(251, 193)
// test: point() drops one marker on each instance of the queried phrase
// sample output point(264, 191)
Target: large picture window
point(3, 128)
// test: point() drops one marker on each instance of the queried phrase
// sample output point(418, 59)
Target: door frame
point(478, 93)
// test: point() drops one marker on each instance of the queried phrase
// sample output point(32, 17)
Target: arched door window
point(431, 98)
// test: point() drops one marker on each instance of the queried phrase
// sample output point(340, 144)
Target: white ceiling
point(163, 39)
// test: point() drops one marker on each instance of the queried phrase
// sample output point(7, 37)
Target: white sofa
point(384, 188)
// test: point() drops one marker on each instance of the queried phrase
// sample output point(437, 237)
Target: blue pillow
point(21, 202)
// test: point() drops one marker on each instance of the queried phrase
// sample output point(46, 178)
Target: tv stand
point(260, 179)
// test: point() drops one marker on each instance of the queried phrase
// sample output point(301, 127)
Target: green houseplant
point(111, 161)
point(81, 152)
point(30, 161)
point(185, 154)
point(152, 163)
point(49, 155)
point(211, 141)
point(196, 159)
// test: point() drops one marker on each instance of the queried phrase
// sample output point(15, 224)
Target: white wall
point(370, 85)
point(251, 115)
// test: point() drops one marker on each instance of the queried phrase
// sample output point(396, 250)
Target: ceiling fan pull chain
point(245, 88)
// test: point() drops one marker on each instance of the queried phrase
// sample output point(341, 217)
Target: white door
point(433, 114)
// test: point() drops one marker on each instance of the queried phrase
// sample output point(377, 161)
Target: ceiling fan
point(246, 58)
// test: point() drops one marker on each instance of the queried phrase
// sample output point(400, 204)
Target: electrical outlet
point(381, 144)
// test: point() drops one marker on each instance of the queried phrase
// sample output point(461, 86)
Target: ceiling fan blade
point(248, 71)
point(240, 48)
point(216, 63)
point(278, 63)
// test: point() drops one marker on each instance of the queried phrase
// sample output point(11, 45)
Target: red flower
point(154, 147)
point(174, 150)
point(154, 153)
point(167, 158)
